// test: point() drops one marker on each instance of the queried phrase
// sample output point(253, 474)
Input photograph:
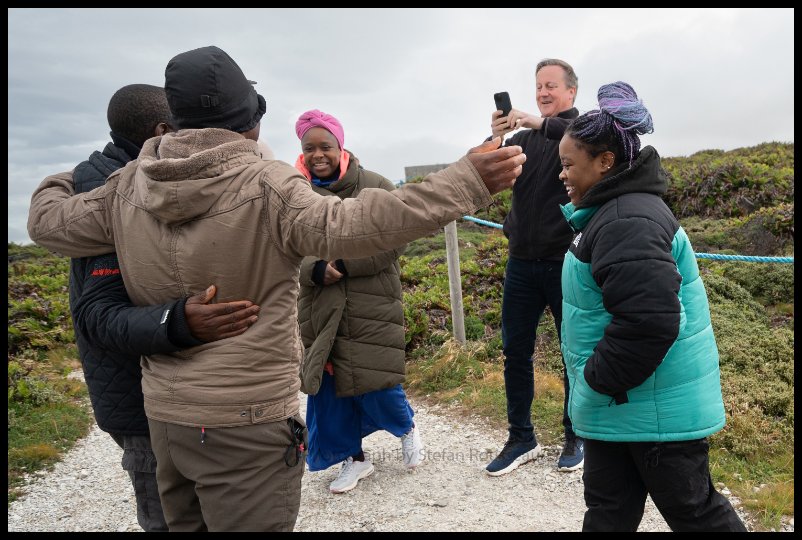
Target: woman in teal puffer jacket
point(638, 345)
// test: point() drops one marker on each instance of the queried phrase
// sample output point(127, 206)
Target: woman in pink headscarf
point(352, 325)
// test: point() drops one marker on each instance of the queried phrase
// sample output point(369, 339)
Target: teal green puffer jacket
point(637, 340)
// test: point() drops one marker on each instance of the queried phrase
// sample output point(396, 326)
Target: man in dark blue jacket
point(111, 332)
point(538, 239)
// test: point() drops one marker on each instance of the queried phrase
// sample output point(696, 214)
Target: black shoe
point(513, 454)
point(573, 454)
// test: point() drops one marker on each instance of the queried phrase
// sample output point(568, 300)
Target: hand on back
point(211, 322)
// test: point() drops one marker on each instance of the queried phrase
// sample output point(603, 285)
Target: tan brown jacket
point(201, 207)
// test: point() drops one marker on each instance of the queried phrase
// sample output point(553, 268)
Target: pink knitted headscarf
point(316, 118)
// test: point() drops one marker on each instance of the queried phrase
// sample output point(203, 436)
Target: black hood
point(646, 175)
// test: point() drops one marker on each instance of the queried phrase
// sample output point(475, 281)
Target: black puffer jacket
point(111, 333)
point(535, 225)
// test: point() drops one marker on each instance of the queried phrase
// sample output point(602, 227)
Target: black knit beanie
point(206, 88)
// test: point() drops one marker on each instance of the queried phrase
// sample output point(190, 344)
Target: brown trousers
point(245, 478)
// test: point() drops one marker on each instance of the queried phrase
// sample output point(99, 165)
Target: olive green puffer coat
point(357, 322)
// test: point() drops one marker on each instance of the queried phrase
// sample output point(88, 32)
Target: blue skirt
point(337, 425)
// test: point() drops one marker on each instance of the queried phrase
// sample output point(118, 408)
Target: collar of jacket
point(573, 112)
point(131, 150)
point(181, 175)
point(347, 185)
point(195, 153)
point(93, 172)
point(577, 218)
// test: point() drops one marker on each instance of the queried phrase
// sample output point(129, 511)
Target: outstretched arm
point(369, 266)
point(76, 226)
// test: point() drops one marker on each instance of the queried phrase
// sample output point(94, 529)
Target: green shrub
point(38, 305)
point(768, 230)
point(757, 371)
point(767, 283)
point(720, 184)
point(474, 328)
point(497, 211)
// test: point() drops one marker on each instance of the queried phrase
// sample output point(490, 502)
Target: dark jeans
point(619, 475)
point(140, 463)
point(529, 286)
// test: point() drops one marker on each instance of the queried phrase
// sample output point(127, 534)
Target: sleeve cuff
point(177, 329)
point(341, 267)
point(319, 273)
point(621, 398)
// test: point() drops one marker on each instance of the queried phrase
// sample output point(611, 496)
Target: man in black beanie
point(224, 416)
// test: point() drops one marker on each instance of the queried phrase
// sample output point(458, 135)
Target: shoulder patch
point(105, 271)
point(105, 265)
point(576, 240)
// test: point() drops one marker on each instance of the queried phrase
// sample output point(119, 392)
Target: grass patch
point(46, 410)
point(39, 435)
point(469, 236)
point(765, 484)
point(472, 376)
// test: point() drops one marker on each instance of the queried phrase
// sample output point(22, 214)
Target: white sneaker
point(351, 473)
point(412, 448)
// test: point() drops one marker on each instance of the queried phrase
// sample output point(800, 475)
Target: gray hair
point(571, 80)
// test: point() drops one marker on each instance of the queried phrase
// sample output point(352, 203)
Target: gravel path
point(88, 490)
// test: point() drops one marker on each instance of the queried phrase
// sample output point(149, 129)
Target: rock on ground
point(89, 491)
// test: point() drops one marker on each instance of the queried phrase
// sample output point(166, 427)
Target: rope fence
point(714, 256)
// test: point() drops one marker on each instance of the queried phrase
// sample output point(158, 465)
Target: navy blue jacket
point(110, 331)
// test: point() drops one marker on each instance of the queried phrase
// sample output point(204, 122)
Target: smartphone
point(503, 103)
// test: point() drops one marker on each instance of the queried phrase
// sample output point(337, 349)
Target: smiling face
point(553, 95)
point(321, 152)
point(581, 171)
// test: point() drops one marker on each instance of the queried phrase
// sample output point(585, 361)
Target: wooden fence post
point(455, 282)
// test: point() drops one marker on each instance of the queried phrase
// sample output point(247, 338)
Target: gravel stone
point(89, 491)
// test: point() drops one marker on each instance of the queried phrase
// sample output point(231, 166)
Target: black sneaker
point(513, 454)
point(573, 454)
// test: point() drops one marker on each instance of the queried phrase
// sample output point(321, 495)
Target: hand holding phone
point(503, 103)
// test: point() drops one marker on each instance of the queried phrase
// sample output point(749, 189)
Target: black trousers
point(619, 475)
point(140, 463)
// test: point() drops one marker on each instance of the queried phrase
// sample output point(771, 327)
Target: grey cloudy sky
point(410, 86)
